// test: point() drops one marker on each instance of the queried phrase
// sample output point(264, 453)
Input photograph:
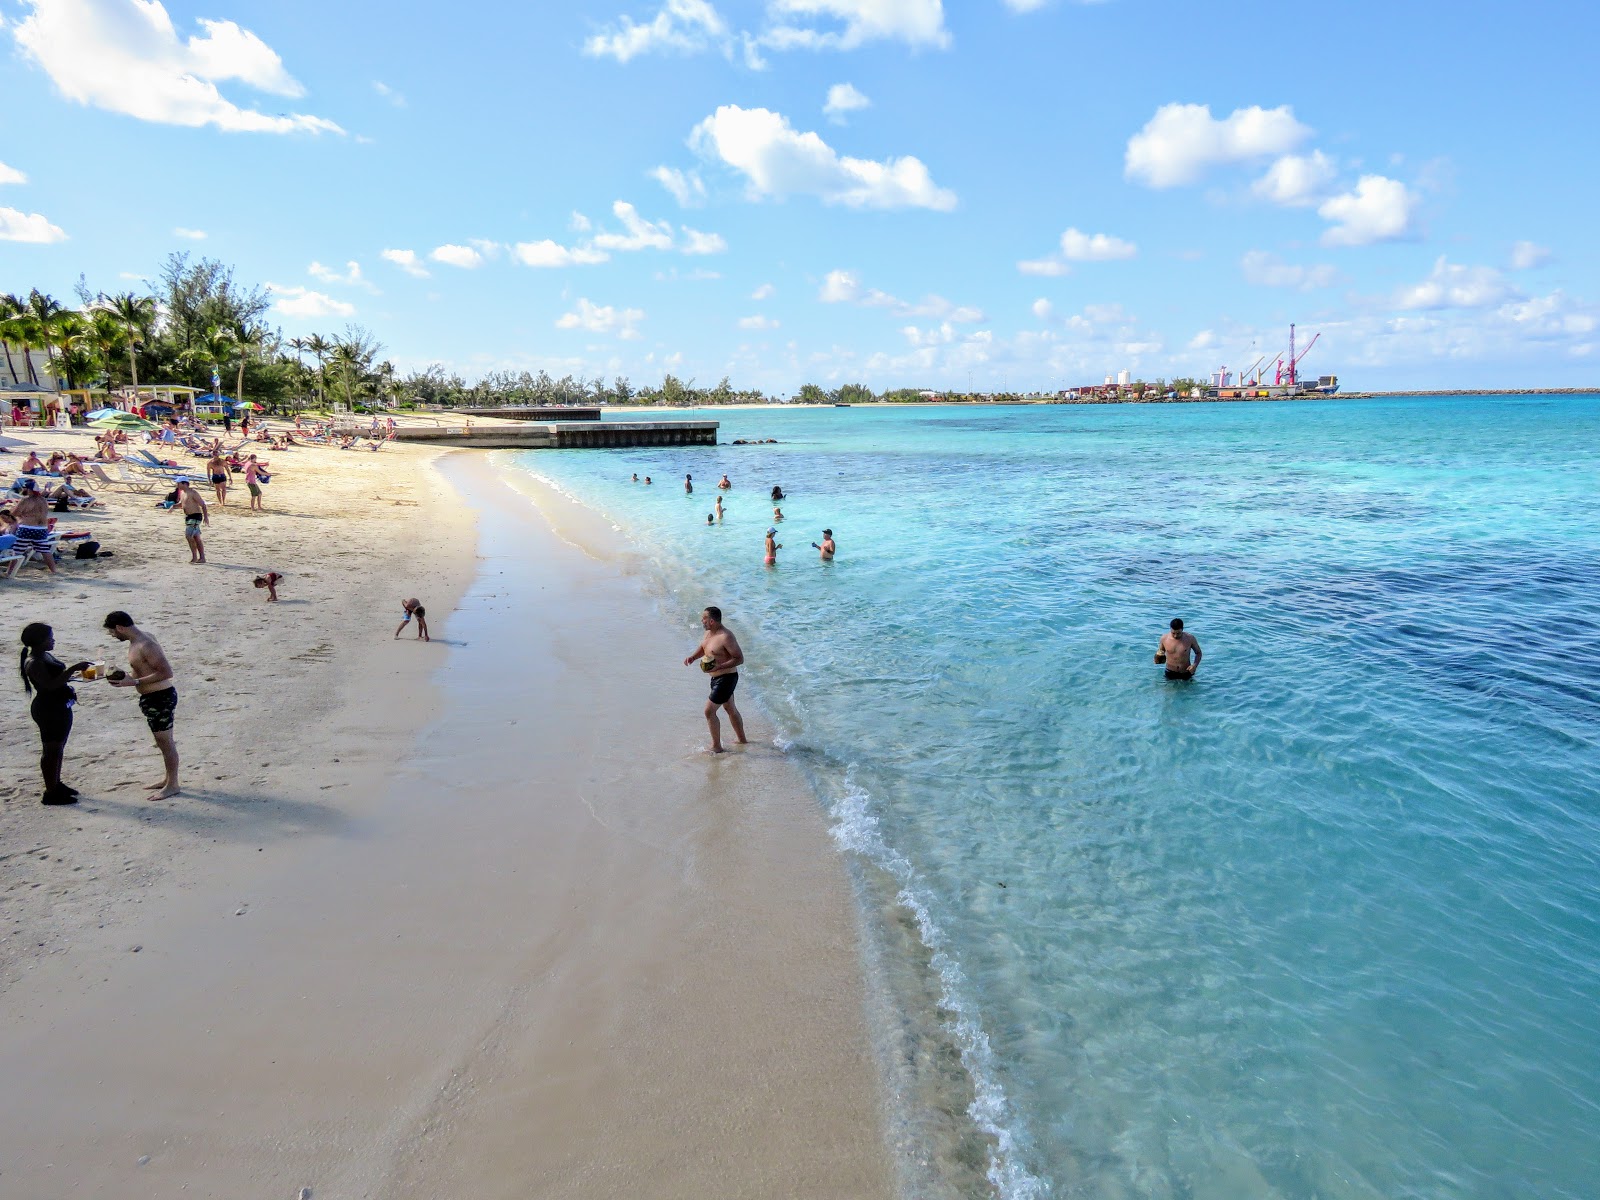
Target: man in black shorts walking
point(720, 657)
point(149, 671)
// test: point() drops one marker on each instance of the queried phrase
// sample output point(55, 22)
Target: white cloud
point(457, 256)
point(686, 187)
point(1267, 270)
point(1044, 266)
point(1025, 6)
point(1527, 255)
point(686, 26)
point(844, 287)
point(1451, 285)
point(844, 98)
point(388, 93)
point(602, 319)
point(16, 226)
point(11, 175)
point(1099, 247)
point(1043, 309)
point(1182, 141)
point(1551, 316)
point(639, 234)
point(765, 292)
point(302, 302)
point(407, 261)
point(757, 322)
point(915, 22)
point(1077, 246)
point(125, 56)
point(695, 242)
point(547, 253)
point(352, 274)
point(1203, 340)
point(1296, 180)
point(194, 235)
point(1379, 210)
point(777, 161)
point(579, 223)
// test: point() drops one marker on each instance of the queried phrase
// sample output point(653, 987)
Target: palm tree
point(10, 307)
point(62, 329)
point(24, 329)
point(106, 334)
point(211, 348)
point(137, 315)
point(44, 309)
point(347, 358)
point(247, 341)
point(319, 348)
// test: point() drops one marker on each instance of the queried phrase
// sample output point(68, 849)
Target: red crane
point(1293, 368)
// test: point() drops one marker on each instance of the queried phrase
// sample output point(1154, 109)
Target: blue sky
point(1022, 193)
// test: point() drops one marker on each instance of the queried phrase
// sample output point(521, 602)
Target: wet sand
point(557, 952)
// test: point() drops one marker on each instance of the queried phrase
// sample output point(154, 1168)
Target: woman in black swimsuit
point(48, 680)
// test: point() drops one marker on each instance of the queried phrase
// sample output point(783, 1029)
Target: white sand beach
point(473, 918)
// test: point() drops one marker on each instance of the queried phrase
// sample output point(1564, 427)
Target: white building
point(1123, 379)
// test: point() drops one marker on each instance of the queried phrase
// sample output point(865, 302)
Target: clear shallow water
point(1324, 923)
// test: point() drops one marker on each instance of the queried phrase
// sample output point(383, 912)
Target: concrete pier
point(566, 435)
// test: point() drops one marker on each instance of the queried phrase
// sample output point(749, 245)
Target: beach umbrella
point(249, 404)
point(123, 420)
point(102, 412)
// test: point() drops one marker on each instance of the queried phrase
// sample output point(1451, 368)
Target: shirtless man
point(1179, 651)
point(724, 483)
point(827, 548)
point(149, 671)
point(688, 485)
point(195, 514)
point(722, 648)
point(413, 608)
point(32, 514)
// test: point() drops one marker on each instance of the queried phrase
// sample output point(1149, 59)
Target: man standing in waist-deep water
point(719, 656)
point(1179, 651)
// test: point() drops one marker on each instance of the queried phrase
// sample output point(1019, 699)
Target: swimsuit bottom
point(38, 534)
point(52, 713)
point(722, 687)
point(191, 526)
point(160, 709)
point(219, 478)
point(1171, 674)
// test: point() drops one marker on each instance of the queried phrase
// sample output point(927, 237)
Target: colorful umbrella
point(249, 404)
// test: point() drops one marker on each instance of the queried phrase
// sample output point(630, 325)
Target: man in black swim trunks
point(718, 653)
point(1179, 651)
point(149, 671)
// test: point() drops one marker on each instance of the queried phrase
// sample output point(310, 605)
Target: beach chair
point(121, 479)
point(10, 560)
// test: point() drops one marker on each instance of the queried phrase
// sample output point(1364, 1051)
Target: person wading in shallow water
point(1179, 652)
point(720, 657)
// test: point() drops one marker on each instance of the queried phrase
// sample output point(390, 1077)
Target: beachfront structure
point(172, 396)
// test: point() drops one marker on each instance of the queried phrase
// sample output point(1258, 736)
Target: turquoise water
point(1323, 923)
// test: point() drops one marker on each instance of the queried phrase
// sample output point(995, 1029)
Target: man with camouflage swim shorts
point(149, 671)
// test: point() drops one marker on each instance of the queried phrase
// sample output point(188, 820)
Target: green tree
point(11, 307)
point(810, 393)
point(137, 315)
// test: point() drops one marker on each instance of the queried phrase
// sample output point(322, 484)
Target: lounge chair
point(121, 479)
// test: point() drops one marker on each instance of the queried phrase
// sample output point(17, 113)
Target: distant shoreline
point(1025, 403)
